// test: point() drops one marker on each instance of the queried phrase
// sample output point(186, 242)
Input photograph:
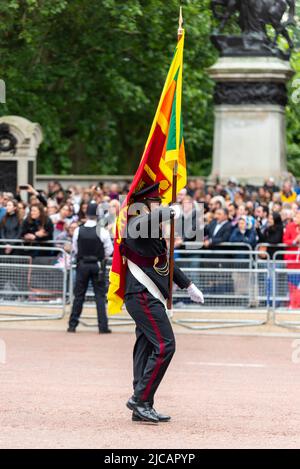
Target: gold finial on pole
point(180, 29)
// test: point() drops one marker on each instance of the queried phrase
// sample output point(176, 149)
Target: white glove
point(176, 209)
point(196, 295)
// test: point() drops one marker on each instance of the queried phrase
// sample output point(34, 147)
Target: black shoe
point(161, 417)
point(143, 410)
point(105, 331)
point(71, 329)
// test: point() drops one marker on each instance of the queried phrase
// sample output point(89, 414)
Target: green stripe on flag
point(171, 144)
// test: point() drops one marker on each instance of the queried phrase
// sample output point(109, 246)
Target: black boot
point(143, 409)
point(161, 417)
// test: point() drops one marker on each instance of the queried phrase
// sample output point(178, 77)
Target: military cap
point(149, 192)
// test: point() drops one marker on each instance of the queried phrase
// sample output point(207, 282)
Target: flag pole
point(174, 199)
point(180, 29)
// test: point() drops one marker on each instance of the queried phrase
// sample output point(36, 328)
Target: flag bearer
point(146, 291)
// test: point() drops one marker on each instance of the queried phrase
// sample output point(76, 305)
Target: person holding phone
point(37, 226)
point(32, 192)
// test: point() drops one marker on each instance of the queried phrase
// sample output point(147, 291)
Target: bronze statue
point(254, 16)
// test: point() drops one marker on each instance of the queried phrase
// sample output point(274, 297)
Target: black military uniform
point(155, 341)
point(91, 252)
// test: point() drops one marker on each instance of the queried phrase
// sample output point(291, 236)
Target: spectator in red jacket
point(292, 239)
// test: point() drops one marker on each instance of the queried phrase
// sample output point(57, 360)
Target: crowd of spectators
point(53, 215)
point(233, 213)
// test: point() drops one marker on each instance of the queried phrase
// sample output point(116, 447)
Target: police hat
point(92, 209)
point(150, 193)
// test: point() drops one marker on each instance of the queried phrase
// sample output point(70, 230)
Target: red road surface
point(69, 391)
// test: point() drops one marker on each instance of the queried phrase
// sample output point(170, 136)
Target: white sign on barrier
point(296, 352)
point(2, 352)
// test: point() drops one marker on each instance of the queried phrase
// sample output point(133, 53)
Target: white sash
point(143, 278)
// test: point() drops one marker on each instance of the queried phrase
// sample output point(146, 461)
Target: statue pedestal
point(250, 100)
point(19, 168)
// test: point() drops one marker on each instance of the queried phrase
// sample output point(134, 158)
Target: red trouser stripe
point(160, 357)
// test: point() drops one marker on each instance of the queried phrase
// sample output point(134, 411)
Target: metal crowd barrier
point(34, 282)
point(217, 261)
point(232, 283)
point(286, 289)
point(218, 272)
point(268, 245)
point(263, 247)
point(239, 282)
point(196, 246)
point(38, 243)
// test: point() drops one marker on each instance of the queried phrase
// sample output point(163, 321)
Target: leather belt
point(89, 259)
point(143, 261)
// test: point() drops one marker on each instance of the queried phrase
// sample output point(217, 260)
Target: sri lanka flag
point(164, 148)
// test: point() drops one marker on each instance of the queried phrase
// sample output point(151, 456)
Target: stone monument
point(19, 143)
point(250, 94)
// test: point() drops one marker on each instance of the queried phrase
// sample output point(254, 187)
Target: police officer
point(146, 291)
point(93, 246)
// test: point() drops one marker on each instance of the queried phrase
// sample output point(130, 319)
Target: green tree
point(91, 73)
point(293, 109)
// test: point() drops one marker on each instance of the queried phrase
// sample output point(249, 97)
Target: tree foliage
point(91, 73)
point(293, 121)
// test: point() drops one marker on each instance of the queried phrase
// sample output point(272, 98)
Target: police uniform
point(146, 292)
point(91, 250)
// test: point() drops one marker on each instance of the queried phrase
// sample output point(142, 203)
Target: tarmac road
point(69, 391)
